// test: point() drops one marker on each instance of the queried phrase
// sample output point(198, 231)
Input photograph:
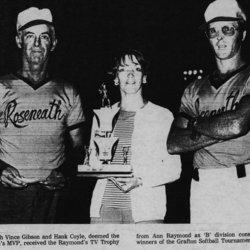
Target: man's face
point(225, 46)
point(36, 43)
point(130, 75)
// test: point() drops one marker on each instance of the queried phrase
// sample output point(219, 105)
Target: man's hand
point(10, 177)
point(127, 184)
point(55, 181)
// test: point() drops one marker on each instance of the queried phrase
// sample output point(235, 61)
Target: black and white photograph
point(124, 112)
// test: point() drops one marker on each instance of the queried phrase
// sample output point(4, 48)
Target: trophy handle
point(97, 119)
point(97, 148)
point(114, 120)
point(114, 149)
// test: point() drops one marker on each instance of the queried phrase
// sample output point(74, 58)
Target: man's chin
point(36, 60)
point(223, 56)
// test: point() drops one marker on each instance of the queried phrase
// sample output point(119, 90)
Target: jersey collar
point(30, 83)
point(217, 83)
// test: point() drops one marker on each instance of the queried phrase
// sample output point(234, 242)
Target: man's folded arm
point(227, 125)
point(181, 139)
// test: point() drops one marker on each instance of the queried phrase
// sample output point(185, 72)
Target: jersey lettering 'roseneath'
point(231, 104)
point(15, 117)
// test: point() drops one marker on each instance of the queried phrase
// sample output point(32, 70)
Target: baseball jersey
point(202, 99)
point(33, 122)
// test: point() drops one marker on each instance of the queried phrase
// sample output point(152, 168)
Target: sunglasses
point(226, 30)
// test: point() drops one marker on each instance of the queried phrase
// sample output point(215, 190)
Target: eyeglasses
point(226, 30)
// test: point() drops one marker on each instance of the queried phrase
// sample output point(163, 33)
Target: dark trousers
point(32, 204)
point(178, 193)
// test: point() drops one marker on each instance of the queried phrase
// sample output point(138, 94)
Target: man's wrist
point(63, 168)
point(192, 123)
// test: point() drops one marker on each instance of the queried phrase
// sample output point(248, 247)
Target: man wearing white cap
point(214, 121)
point(36, 112)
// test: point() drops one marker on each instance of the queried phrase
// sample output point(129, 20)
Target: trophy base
point(105, 171)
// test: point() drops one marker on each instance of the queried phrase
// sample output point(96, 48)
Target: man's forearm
point(182, 140)
point(225, 126)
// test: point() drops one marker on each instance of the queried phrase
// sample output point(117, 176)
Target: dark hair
point(120, 59)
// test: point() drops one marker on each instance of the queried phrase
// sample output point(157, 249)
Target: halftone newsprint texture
point(89, 33)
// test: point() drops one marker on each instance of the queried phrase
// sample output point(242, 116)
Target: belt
point(241, 170)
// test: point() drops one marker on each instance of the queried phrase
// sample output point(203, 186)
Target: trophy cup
point(98, 158)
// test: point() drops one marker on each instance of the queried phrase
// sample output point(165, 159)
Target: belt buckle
point(241, 170)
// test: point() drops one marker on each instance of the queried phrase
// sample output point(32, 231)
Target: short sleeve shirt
point(33, 122)
point(202, 99)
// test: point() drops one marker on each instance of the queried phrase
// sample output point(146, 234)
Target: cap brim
point(218, 19)
point(33, 23)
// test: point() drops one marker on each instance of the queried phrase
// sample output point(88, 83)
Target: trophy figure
point(125, 155)
point(87, 155)
point(103, 90)
point(105, 115)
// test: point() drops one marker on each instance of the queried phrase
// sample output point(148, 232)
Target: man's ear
point(54, 43)
point(18, 42)
point(244, 35)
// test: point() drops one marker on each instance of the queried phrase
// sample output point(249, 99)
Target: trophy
point(98, 158)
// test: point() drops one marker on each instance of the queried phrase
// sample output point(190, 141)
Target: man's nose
point(37, 42)
point(220, 35)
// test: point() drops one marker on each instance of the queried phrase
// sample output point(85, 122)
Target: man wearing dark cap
point(36, 112)
point(214, 121)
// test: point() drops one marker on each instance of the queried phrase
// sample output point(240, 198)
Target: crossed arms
point(186, 137)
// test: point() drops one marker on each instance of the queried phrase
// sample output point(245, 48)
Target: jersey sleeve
point(76, 114)
point(247, 87)
point(187, 101)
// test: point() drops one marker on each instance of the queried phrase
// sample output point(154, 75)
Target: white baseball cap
point(223, 10)
point(33, 16)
